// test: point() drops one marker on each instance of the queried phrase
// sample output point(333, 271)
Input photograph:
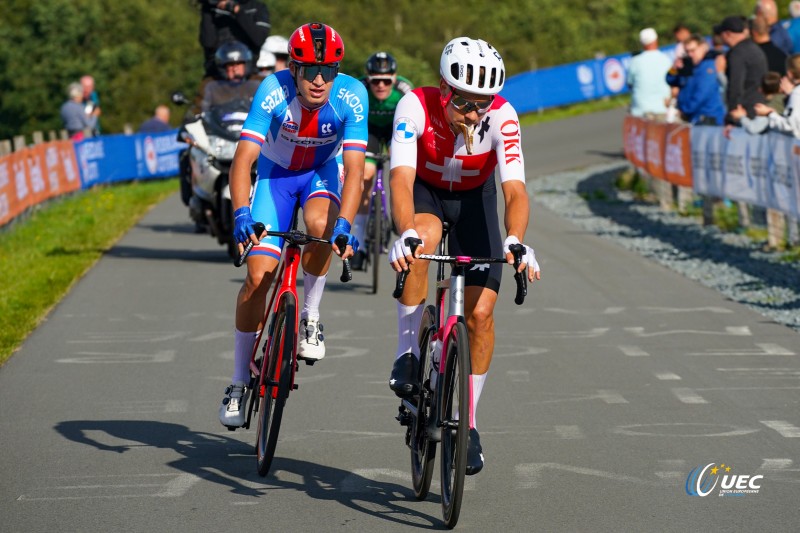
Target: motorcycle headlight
point(223, 149)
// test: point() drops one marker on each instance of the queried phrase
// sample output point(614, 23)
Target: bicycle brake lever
point(347, 273)
point(258, 229)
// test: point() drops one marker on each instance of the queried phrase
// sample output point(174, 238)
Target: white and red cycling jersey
point(422, 139)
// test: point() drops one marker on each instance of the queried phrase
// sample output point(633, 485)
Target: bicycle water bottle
point(436, 354)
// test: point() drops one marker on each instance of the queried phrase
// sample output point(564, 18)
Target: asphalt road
point(609, 386)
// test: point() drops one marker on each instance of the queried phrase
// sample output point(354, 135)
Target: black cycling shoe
point(474, 453)
point(358, 260)
point(403, 380)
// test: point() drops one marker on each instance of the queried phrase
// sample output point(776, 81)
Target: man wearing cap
point(747, 65)
point(647, 78)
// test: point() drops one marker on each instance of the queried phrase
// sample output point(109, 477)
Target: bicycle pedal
point(295, 386)
point(310, 362)
point(231, 428)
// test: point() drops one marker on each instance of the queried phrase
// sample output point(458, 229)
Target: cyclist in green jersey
point(385, 88)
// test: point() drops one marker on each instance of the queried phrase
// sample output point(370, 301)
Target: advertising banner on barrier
point(678, 155)
point(757, 169)
point(35, 174)
point(113, 158)
point(662, 150)
point(655, 135)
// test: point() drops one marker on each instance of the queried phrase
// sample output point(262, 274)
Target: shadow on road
point(218, 459)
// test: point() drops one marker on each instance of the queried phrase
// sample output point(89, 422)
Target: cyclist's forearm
point(401, 185)
point(517, 208)
point(239, 178)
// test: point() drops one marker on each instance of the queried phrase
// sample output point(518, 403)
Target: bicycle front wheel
point(454, 409)
point(276, 368)
point(423, 449)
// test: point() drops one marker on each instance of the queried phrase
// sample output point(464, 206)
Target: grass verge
point(574, 110)
point(45, 253)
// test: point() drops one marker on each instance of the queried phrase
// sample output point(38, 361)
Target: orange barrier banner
point(35, 174)
point(660, 149)
point(678, 155)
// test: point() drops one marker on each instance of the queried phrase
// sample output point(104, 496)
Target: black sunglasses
point(310, 72)
point(465, 106)
point(380, 81)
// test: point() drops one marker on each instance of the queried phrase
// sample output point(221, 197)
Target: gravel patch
point(727, 262)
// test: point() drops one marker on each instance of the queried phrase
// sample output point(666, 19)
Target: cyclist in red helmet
point(300, 119)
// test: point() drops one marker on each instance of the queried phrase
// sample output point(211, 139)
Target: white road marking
point(128, 336)
point(688, 310)
point(686, 395)
point(667, 376)
point(763, 372)
point(581, 334)
point(165, 356)
point(145, 407)
point(689, 429)
point(500, 351)
point(736, 331)
point(763, 349)
point(569, 432)
point(519, 376)
point(633, 351)
point(529, 476)
point(783, 427)
point(671, 469)
point(116, 487)
point(611, 396)
point(212, 336)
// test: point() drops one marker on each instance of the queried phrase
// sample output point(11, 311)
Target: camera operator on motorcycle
point(234, 65)
point(300, 119)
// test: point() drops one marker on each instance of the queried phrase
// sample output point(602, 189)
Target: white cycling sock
point(243, 344)
point(312, 295)
point(408, 317)
point(477, 387)
point(360, 227)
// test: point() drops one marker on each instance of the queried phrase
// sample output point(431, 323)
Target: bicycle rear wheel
point(277, 371)
point(454, 400)
point(423, 450)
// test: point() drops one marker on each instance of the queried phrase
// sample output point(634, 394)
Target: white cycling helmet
point(265, 59)
point(473, 66)
point(276, 44)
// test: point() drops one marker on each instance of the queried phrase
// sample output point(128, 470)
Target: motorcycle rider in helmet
point(234, 63)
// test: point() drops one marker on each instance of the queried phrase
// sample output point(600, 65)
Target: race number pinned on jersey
point(404, 131)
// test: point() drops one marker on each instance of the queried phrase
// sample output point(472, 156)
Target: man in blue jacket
point(699, 99)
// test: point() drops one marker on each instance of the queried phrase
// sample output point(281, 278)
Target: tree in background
point(140, 51)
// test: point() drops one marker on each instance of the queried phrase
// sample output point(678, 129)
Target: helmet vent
point(470, 75)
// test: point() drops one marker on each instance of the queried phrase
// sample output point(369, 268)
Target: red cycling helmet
point(316, 43)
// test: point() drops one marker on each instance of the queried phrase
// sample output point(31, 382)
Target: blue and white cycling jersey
point(298, 148)
point(297, 138)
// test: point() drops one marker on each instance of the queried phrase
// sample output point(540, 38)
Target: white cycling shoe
point(311, 345)
point(232, 411)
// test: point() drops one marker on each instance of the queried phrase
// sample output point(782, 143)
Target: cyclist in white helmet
point(446, 143)
point(278, 45)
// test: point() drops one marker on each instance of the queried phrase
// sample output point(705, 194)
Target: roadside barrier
point(33, 174)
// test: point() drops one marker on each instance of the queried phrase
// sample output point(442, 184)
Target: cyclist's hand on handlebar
point(528, 258)
point(400, 255)
point(244, 227)
point(342, 228)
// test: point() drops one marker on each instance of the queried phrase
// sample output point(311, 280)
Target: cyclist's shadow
point(229, 462)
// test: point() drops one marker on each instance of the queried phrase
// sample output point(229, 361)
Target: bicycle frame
point(378, 194)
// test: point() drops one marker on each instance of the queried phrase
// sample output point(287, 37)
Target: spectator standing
point(794, 25)
point(223, 21)
point(746, 66)
point(778, 34)
point(265, 64)
point(773, 95)
point(789, 121)
point(681, 32)
point(278, 45)
point(647, 78)
point(75, 119)
point(91, 102)
point(699, 99)
point(776, 58)
point(158, 123)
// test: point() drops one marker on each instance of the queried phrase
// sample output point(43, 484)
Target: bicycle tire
point(277, 366)
point(375, 241)
point(423, 450)
point(455, 433)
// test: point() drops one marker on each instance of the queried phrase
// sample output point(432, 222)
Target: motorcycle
point(212, 137)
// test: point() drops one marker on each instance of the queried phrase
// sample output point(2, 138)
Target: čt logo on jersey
point(327, 129)
point(404, 131)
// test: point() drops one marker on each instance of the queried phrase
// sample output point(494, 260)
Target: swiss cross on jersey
point(442, 158)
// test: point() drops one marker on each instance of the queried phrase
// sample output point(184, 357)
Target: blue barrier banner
point(111, 158)
point(570, 83)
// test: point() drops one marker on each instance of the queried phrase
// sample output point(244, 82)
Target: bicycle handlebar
point(299, 238)
point(518, 250)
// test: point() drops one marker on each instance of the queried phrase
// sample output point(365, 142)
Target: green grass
point(558, 113)
point(42, 255)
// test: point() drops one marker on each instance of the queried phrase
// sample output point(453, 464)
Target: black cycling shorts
point(376, 142)
point(474, 226)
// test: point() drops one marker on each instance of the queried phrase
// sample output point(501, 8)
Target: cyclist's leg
point(320, 199)
point(428, 224)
